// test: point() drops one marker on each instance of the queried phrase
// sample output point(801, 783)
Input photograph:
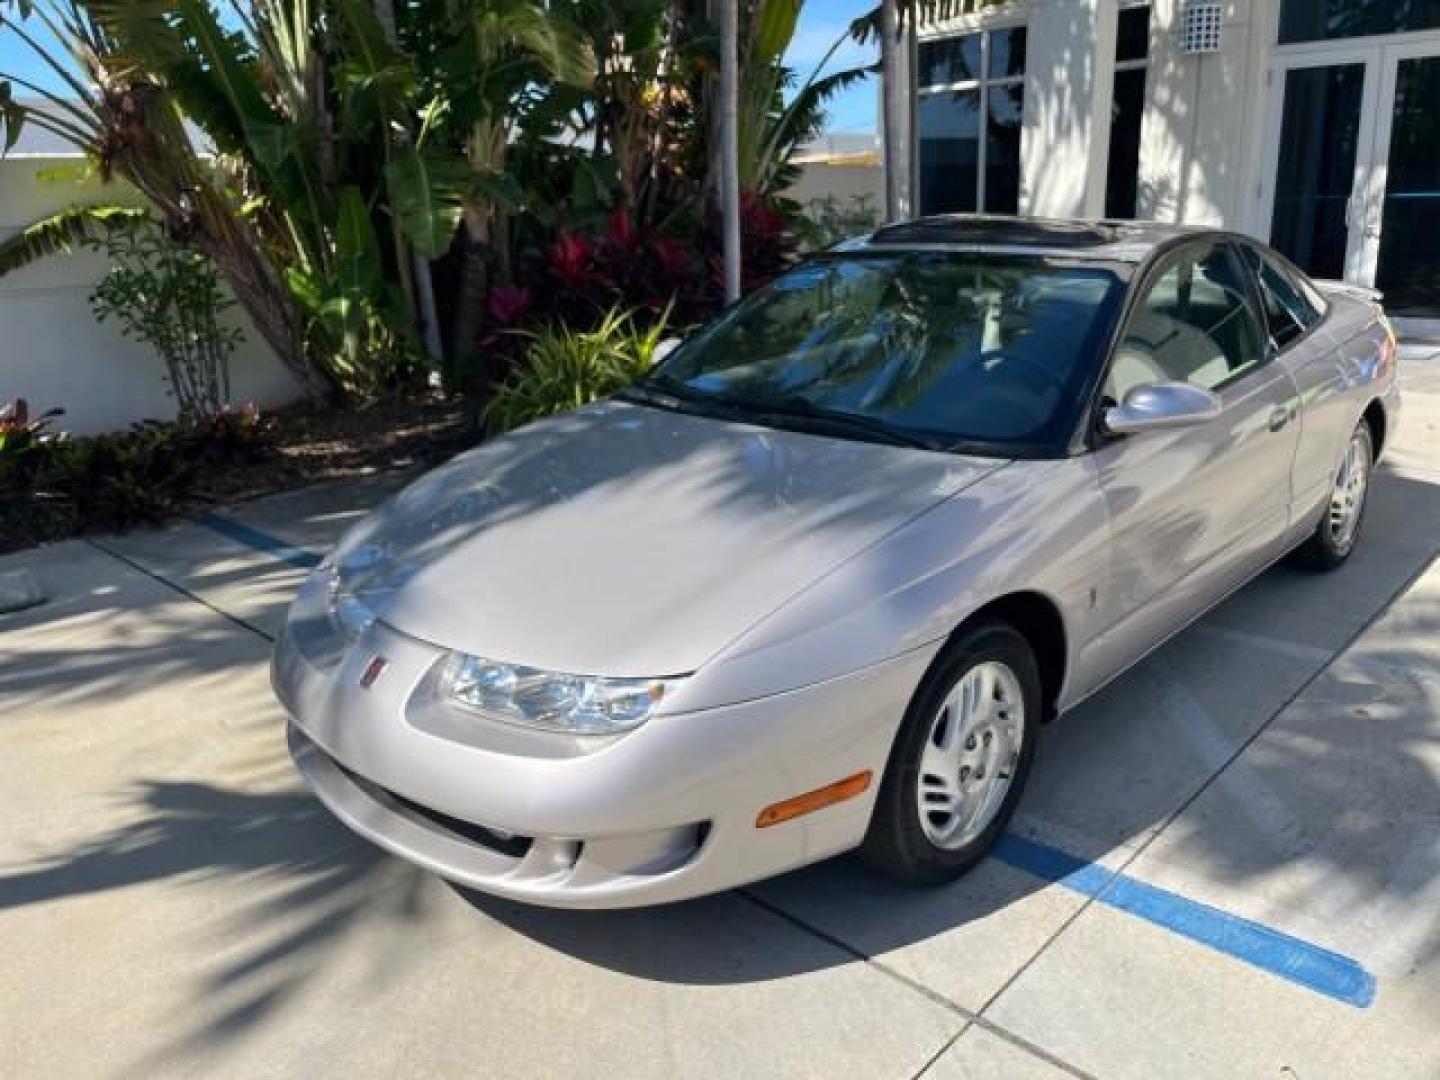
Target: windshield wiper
point(667, 393)
point(641, 393)
point(802, 408)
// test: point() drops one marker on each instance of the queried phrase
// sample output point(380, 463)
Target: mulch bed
point(313, 444)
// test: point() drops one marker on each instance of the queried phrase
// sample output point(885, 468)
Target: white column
point(897, 95)
point(1107, 24)
point(1069, 71)
point(730, 145)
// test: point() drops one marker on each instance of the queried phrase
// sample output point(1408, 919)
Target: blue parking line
point(1297, 961)
point(260, 541)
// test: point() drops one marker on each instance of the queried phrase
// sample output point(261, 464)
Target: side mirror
point(1162, 406)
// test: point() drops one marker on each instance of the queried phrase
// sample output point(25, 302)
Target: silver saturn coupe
point(814, 583)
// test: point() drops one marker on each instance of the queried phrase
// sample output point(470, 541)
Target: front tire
point(1338, 530)
point(961, 758)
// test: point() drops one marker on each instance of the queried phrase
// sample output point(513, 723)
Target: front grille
point(514, 847)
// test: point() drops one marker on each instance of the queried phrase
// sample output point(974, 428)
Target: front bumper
point(663, 813)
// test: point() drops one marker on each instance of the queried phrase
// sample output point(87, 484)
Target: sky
point(821, 23)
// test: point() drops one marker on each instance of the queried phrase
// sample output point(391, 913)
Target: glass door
point(1322, 161)
point(1402, 223)
point(1355, 164)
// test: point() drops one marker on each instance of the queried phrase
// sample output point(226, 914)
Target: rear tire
point(1338, 530)
point(961, 759)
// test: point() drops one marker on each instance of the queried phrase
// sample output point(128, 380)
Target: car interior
point(1195, 325)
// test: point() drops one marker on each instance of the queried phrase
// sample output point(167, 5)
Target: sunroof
point(973, 230)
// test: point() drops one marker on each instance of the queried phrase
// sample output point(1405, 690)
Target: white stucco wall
point(844, 183)
point(1204, 119)
point(1067, 98)
point(54, 353)
point(1202, 131)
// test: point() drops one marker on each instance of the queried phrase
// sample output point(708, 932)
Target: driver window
point(1194, 324)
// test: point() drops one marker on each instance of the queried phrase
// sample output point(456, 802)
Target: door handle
point(1280, 416)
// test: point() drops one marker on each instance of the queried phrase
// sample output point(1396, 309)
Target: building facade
point(1312, 124)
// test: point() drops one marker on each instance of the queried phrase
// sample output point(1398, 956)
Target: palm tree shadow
point(301, 883)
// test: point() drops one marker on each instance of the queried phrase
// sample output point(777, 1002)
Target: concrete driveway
point(1228, 863)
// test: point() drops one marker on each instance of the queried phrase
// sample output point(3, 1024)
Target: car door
point(1327, 372)
point(1194, 512)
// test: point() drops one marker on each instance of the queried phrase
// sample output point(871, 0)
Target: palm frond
point(61, 233)
point(866, 28)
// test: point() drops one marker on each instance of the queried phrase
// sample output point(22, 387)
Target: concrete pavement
point(172, 902)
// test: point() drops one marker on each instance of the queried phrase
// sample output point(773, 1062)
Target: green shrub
point(115, 481)
point(563, 369)
point(168, 296)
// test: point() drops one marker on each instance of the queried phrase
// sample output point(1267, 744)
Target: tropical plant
point(243, 434)
point(168, 296)
point(24, 444)
point(354, 141)
point(296, 97)
point(564, 368)
point(115, 481)
point(771, 128)
point(62, 233)
point(119, 108)
point(493, 64)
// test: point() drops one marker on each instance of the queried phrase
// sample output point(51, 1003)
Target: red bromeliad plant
point(569, 261)
point(767, 245)
point(508, 305)
point(655, 272)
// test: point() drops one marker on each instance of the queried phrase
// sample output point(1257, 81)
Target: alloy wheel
point(971, 755)
point(1347, 498)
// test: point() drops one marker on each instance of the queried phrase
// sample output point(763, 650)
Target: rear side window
point(1193, 324)
point(1289, 309)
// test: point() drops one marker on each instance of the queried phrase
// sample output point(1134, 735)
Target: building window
point(1321, 20)
point(971, 107)
point(1132, 59)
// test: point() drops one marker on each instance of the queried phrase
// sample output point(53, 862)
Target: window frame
point(1160, 263)
point(1302, 284)
point(1142, 64)
point(1277, 38)
point(982, 86)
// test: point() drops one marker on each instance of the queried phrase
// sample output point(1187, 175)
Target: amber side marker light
point(814, 800)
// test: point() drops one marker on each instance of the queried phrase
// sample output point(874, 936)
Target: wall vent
point(1201, 22)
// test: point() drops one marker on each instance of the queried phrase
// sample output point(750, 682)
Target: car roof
point(1115, 241)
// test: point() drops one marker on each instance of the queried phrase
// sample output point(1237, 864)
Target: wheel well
point(1039, 621)
point(1375, 417)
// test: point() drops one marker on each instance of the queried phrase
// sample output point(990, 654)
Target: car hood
point(626, 540)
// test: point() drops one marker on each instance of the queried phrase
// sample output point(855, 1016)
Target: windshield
point(943, 349)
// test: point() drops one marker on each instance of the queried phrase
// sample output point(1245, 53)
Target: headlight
point(578, 704)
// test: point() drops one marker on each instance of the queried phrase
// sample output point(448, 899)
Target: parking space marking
point(300, 558)
point(1300, 962)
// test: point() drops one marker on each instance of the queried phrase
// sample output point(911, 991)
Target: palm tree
point(119, 114)
point(496, 64)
